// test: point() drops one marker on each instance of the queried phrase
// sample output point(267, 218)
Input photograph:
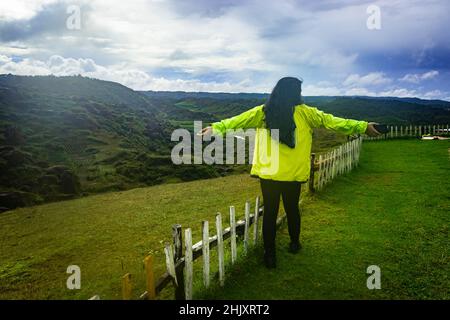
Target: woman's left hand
point(371, 131)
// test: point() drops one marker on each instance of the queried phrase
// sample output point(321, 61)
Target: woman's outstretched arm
point(320, 119)
point(252, 118)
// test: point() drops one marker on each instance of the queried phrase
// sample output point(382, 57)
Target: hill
point(393, 111)
point(64, 137)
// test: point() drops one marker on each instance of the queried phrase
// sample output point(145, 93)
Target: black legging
point(290, 191)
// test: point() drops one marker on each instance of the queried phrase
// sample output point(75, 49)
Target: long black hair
point(279, 108)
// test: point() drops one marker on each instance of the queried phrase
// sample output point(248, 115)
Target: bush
point(14, 199)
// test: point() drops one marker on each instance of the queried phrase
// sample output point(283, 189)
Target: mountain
point(64, 137)
point(389, 110)
point(179, 95)
point(393, 111)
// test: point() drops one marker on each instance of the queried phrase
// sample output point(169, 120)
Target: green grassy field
point(106, 235)
point(392, 212)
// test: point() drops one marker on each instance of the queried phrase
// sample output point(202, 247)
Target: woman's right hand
point(205, 131)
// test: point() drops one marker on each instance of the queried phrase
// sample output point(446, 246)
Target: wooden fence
point(412, 131)
point(335, 162)
point(180, 268)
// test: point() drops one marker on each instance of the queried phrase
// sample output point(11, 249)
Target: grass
point(106, 235)
point(391, 212)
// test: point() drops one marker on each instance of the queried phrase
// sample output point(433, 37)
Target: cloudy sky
point(235, 45)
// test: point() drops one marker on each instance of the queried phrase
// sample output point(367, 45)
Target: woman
point(295, 121)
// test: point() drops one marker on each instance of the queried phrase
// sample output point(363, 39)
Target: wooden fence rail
point(410, 131)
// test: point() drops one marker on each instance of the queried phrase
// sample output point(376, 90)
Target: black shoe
point(270, 260)
point(294, 247)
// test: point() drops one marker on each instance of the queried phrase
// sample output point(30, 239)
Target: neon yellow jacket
point(288, 164)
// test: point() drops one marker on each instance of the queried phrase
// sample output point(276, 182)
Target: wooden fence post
point(319, 178)
point(327, 167)
point(220, 249)
point(347, 157)
point(311, 173)
point(359, 148)
point(170, 263)
point(233, 234)
point(188, 268)
point(351, 155)
point(333, 163)
point(256, 222)
point(247, 225)
point(178, 254)
point(126, 287)
point(347, 163)
point(151, 293)
point(205, 252)
point(336, 162)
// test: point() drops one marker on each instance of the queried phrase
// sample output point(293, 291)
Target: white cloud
point(21, 9)
point(373, 78)
point(399, 92)
point(359, 91)
point(140, 80)
point(317, 90)
point(130, 77)
point(434, 94)
point(430, 75)
point(416, 78)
